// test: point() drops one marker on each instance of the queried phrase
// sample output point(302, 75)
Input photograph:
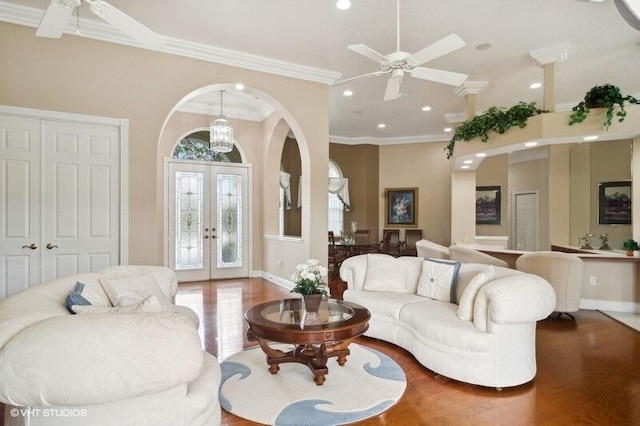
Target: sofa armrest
point(513, 299)
point(95, 358)
point(353, 270)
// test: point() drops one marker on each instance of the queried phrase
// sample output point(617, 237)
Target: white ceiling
point(311, 36)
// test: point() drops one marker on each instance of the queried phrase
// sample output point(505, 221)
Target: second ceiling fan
point(398, 63)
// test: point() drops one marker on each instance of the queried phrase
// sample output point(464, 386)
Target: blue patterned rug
point(368, 384)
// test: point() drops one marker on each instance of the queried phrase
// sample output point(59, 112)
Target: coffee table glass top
point(291, 311)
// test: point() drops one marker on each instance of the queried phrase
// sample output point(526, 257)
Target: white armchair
point(469, 255)
point(563, 271)
point(425, 248)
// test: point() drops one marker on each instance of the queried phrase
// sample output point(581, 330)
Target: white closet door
point(19, 204)
point(80, 215)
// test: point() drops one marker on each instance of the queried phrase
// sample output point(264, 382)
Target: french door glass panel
point(207, 219)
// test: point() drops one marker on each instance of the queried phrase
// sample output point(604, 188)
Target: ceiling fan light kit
point(399, 62)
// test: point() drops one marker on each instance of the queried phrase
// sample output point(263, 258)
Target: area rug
point(368, 384)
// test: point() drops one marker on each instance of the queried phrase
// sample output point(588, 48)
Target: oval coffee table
point(316, 336)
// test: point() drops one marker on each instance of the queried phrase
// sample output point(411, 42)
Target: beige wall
point(291, 165)
point(424, 166)
point(494, 171)
point(360, 164)
point(90, 77)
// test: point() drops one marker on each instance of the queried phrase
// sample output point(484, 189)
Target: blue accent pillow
point(75, 297)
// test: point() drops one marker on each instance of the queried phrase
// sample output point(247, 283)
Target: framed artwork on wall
point(614, 203)
point(401, 206)
point(488, 205)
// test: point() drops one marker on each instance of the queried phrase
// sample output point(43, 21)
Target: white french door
point(60, 202)
point(208, 220)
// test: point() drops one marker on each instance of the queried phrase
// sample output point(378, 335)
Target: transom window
point(196, 147)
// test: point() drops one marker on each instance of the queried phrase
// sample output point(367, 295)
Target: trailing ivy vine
point(606, 96)
point(496, 120)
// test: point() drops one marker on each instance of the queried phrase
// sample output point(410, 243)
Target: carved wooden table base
point(314, 356)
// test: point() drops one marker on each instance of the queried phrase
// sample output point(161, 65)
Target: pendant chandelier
point(221, 133)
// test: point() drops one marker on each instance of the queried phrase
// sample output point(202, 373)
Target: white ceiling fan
point(399, 62)
point(59, 11)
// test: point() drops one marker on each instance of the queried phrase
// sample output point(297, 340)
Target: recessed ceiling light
point(381, 126)
point(464, 167)
point(468, 161)
point(481, 154)
point(484, 46)
point(535, 85)
point(447, 129)
point(239, 86)
point(426, 108)
point(590, 138)
point(531, 143)
point(347, 93)
point(343, 4)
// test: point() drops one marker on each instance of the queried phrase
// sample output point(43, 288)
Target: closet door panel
point(19, 204)
point(82, 232)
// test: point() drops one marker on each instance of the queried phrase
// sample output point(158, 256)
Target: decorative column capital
point(551, 54)
point(470, 88)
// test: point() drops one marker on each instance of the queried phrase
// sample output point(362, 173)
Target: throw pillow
point(385, 273)
point(75, 297)
point(150, 304)
point(465, 310)
point(438, 279)
point(467, 272)
point(125, 291)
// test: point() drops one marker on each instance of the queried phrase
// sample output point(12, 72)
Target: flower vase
point(312, 302)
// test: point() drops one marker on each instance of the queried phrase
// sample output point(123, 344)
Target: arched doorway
point(208, 213)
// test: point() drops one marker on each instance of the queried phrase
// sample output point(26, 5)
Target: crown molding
point(547, 55)
point(30, 17)
point(370, 140)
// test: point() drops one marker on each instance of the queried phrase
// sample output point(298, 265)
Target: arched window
point(196, 147)
point(336, 207)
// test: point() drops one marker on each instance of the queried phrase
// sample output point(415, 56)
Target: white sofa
point(493, 346)
point(59, 368)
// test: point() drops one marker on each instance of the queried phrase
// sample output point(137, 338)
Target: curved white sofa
point(494, 348)
point(58, 368)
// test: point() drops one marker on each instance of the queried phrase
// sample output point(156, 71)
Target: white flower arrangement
point(308, 278)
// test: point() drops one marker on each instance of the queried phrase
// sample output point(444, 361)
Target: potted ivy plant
point(309, 283)
point(494, 119)
point(630, 245)
point(606, 96)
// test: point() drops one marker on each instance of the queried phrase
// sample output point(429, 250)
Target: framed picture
point(614, 203)
point(488, 205)
point(401, 206)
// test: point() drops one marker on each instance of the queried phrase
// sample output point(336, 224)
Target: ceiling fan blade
point(439, 76)
point(439, 48)
point(368, 53)
point(377, 73)
point(56, 17)
point(393, 87)
point(125, 23)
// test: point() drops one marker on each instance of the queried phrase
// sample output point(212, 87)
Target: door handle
point(31, 246)
point(51, 246)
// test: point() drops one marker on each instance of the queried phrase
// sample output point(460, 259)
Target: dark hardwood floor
point(588, 369)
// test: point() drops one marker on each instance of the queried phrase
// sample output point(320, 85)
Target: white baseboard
point(609, 305)
point(277, 280)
